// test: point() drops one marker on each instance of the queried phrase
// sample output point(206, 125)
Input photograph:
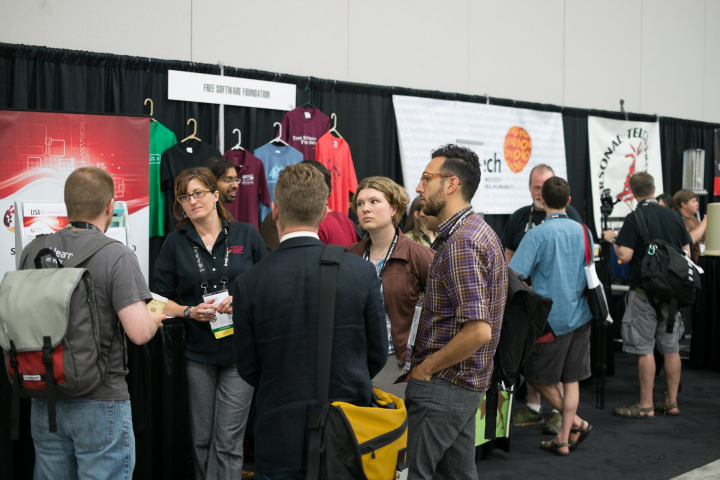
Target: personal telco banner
point(618, 149)
point(509, 142)
point(38, 150)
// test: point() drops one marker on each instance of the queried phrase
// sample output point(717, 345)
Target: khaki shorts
point(641, 330)
point(566, 359)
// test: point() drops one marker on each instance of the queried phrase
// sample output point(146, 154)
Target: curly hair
point(396, 195)
point(463, 163)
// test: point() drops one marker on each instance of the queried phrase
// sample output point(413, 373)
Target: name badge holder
point(438, 244)
point(222, 325)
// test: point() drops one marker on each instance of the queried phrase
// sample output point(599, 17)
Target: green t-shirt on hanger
point(161, 138)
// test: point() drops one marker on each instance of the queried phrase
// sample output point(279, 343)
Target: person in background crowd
point(419, 227)
point(688, 206)
point(401, 265)
point(227, 178)
point(335, 229)
point(666, 200)
point(459, 326)
point(94, 437)
point(642, 329)
point(276, 346)
point(219, 400)
point(553, 254)
point(520, 222)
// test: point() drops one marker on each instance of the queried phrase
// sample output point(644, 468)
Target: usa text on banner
point(242, 92)
point(618, 149)
point(509, 142)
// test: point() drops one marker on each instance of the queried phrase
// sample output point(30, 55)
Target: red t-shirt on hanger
point(334, 153)
point(252, 186)
point(302, 127)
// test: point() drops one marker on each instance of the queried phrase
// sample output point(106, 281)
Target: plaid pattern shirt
point(468, 283)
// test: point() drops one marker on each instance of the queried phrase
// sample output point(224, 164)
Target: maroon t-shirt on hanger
point(252, 187)
point(302, 127)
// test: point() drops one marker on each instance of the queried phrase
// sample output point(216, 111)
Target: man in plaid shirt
point(459, 324)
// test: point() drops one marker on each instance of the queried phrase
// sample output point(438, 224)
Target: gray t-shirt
point(118, 282)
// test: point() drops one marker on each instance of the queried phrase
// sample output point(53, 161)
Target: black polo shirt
point(517, 225)
point(177, 277)
point(662, 223)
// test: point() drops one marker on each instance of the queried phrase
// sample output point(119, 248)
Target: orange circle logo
point(517, 148)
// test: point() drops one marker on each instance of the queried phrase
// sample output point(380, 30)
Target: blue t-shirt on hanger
point(274, 159)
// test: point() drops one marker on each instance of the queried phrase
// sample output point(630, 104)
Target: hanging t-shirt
point(174, 160)
point(252, 187)
point(274, 159)
point(161, 138)
point(302, 127)
point(334, 153)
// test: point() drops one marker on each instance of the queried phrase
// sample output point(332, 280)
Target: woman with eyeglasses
point(195, 268)
point(401, 265)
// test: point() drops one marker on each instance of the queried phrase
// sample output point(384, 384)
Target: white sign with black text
point(619, 149)
point(222, 90)
point(509, 142)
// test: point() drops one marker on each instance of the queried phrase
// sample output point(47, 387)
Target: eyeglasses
point(197, 194)
point(230, 180)
point(426, 177)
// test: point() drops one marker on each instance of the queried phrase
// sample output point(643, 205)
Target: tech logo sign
point(9, 218)
point(517, 148)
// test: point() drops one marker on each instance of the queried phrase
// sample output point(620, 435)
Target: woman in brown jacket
point(401, 264)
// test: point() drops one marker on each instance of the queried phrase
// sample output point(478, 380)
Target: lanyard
point(203, 276)
point(439, 245)
point(556, 215)
point(83, 226)
point(366, 255)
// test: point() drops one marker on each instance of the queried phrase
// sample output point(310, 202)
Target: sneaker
point(528, 416)
point(554, 424)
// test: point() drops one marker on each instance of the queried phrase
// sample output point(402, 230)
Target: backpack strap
point(329, 266)
point(47, 360)
point(15, 409)
point(90, 249)
point(641, 226)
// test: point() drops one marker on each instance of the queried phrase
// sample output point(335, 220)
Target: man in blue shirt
point(554, 255)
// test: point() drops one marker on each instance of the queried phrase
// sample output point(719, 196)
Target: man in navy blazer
point(276, 317)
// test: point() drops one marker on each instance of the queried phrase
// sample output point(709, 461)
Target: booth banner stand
point(509, 142)
point(39, 150)
point(619, 149)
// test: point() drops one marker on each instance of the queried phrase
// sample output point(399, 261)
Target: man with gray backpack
point(64, 316)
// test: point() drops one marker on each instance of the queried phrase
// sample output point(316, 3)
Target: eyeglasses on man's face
point(229, 180)
point(197, 195)
point(426, 177)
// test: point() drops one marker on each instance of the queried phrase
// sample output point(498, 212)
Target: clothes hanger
point(334, 127)
point(279, 135)
point(194, 134)
point(238, 147)
point(308, 104)
point(151, 108)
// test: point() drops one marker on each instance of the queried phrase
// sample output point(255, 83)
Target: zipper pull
point(373, 453)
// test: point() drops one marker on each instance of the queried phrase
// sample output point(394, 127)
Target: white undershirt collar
point(304, 233)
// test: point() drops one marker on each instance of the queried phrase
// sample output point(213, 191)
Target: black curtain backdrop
point(40, 78)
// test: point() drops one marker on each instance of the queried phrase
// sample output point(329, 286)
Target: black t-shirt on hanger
point(174, 160)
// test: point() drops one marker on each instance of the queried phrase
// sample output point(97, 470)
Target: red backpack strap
point(588, 257)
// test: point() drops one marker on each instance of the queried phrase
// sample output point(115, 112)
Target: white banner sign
point(618, 149)
point(205, 88)
point(509, 142)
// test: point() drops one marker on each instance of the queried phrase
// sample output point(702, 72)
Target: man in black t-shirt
point(519, 224)
point(641, 328)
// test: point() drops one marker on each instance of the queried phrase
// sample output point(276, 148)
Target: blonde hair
point(300, 195)
point(396, 195)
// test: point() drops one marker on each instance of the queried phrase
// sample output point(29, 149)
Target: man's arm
point(472, 336)
point(623, 253)
point(247, 359)
point(697, 234)
point(139, 324)
point(509, 255)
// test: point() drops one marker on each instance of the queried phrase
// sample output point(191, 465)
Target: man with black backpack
point(94, 434)
point(642, 327)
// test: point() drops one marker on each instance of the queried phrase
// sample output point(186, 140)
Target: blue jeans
point(94, 440)
point(281, 476)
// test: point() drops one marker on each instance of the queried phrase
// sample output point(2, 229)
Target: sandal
point(666, 407)
point(552, 446)
point(636, 411)
point(584, 433)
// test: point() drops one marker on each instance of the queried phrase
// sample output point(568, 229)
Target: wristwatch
point(186, 313)
point(612, 240)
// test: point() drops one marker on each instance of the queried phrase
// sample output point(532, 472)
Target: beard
point(435, 204)
point(537, 203)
